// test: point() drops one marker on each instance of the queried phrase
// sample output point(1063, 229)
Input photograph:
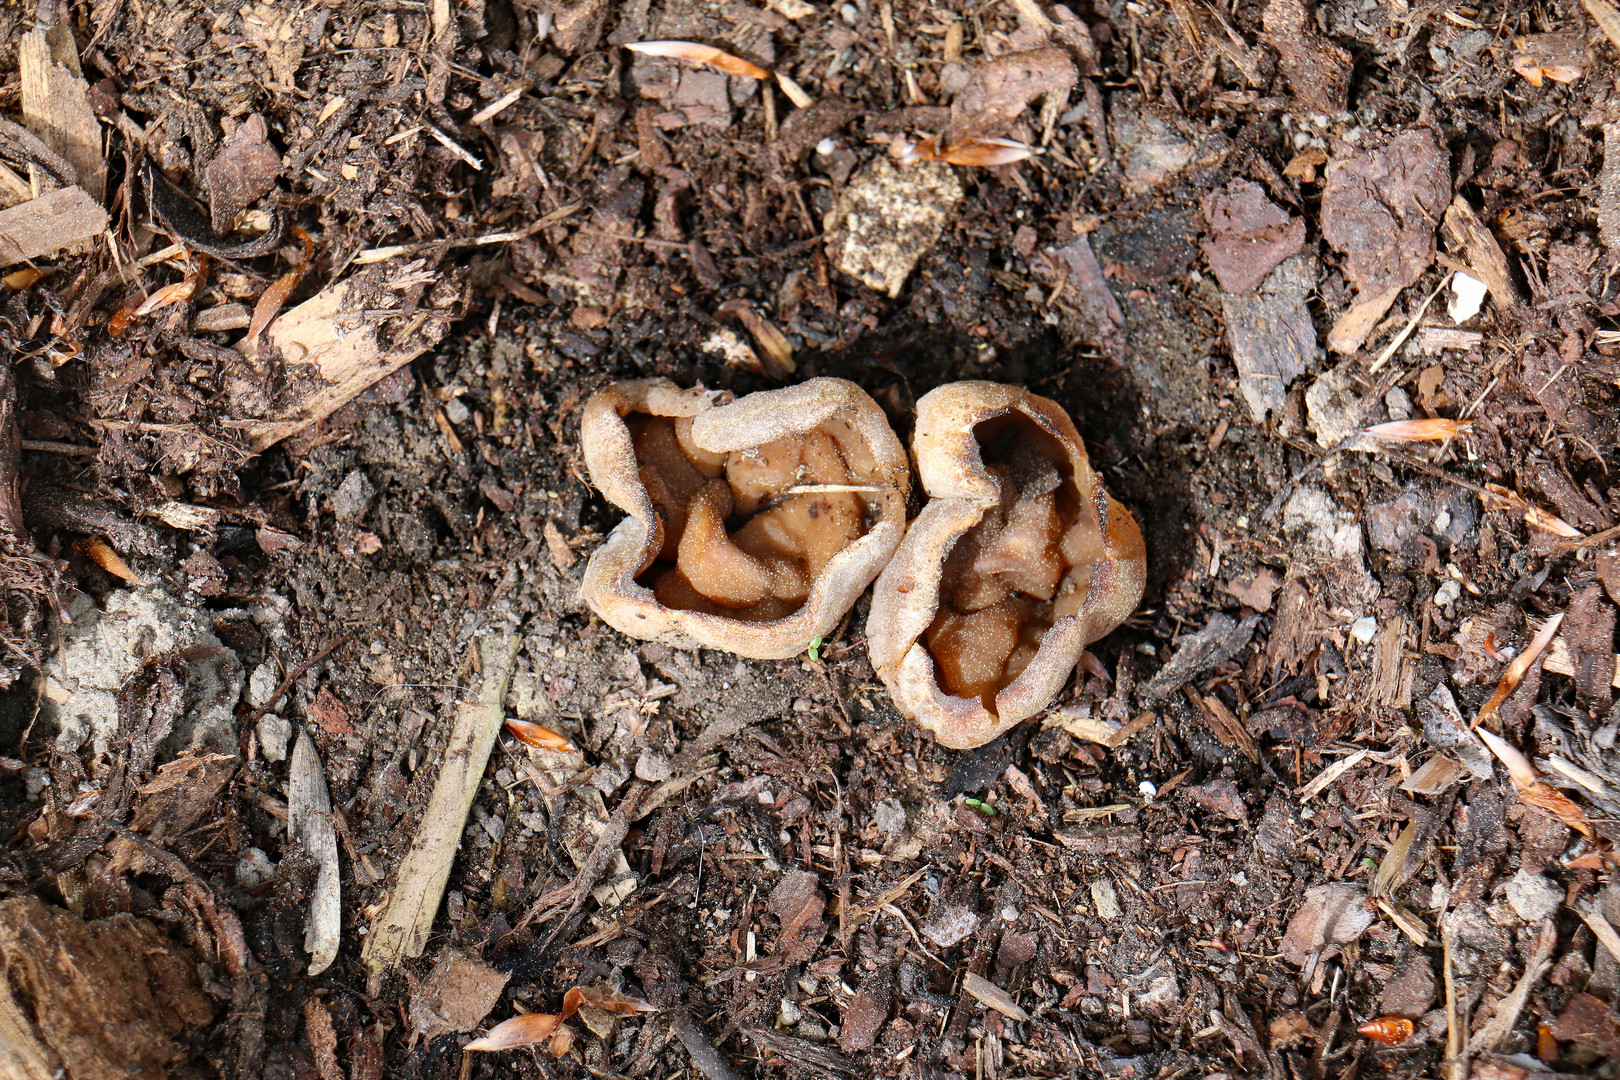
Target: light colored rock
point(652, 767)
point(1105, 899)
point(1333, 408)
point(888, 218)
point(103, 647)
point(1364, 629)
point(1532, 896)
point(949, 925)
point(1328, 529)
point(274, 732)
point(261, 684)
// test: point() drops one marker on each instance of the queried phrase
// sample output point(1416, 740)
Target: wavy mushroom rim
point(609, 587)
point(906, 597)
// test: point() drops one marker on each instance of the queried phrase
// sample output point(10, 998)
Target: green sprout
point(982, 807)
point(815, 649)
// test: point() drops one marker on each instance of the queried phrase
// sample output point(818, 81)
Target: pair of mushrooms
point(755, 524)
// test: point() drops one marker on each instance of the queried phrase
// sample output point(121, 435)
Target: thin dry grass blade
point(694, 53)
point(1430, 430)
point(1533, 515)
point(1514, 675)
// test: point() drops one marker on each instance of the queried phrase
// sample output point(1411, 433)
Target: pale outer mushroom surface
point(733, 434)
point(1101, 587)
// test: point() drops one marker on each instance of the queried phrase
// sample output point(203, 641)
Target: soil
point(1217, 854)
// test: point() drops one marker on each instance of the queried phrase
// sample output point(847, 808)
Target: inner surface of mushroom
point(744, 534)
point(1025, 564)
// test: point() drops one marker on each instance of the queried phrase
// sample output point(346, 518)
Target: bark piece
point(341, 341)
point(1270, 333)
point(243, 172)
point(1216, 643)
point(1318, 71)
point(1249, 236)
point(1380, 206)
point(43, 226)
point(106, 1000)
point(999, 91)
point(402, 929)
point(1087, 280)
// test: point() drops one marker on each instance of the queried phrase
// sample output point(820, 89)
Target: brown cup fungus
point(753, 526)
point(1018, 561)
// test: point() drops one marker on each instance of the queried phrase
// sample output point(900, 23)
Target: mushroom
point(753, 525)
point(1018, 561)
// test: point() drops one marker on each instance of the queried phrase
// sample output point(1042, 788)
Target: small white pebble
point(766, 797)
point(1447, 593)
point(1364, 628)
point(826, 147)
point(1467, 295)
point(1442, 521)
point(1009, 914)
point(1148, 789)
point(850, 13)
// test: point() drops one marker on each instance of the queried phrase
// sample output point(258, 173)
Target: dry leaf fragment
point(1534, 791)
point(973, 152)
point(541, 738)
point(527, 1029)
point(1430, 430)
point(611, 1000)
point(691, 51)
point(1560, 57)
point(18, 280)
point(101, 552)
point(1515, 671)
point(1534, 516)
point(276, 296)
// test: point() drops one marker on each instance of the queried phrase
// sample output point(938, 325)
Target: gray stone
point(888, 218)
point(1532, 896)
point(354, 495)
point(103, 647)
point(274, 733)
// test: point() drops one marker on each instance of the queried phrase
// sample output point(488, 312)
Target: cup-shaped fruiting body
point(1018, 561)
point(753, 526)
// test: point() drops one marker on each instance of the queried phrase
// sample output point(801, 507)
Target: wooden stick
point(402, 929)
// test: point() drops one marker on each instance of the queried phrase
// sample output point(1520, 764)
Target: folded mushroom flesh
point(1024, 565)
point(739, 536)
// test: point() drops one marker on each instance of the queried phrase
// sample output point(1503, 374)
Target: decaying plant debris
point(313, 762)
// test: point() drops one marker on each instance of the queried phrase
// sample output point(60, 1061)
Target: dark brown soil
point(815, 902)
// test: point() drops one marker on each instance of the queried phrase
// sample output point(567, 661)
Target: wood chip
point(402, 929)
point(992, 996)
point(41, 227)
point(1330, 774)
point(56, 104)
point(339, 342)
point(1486, 262)
point(309, 827)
